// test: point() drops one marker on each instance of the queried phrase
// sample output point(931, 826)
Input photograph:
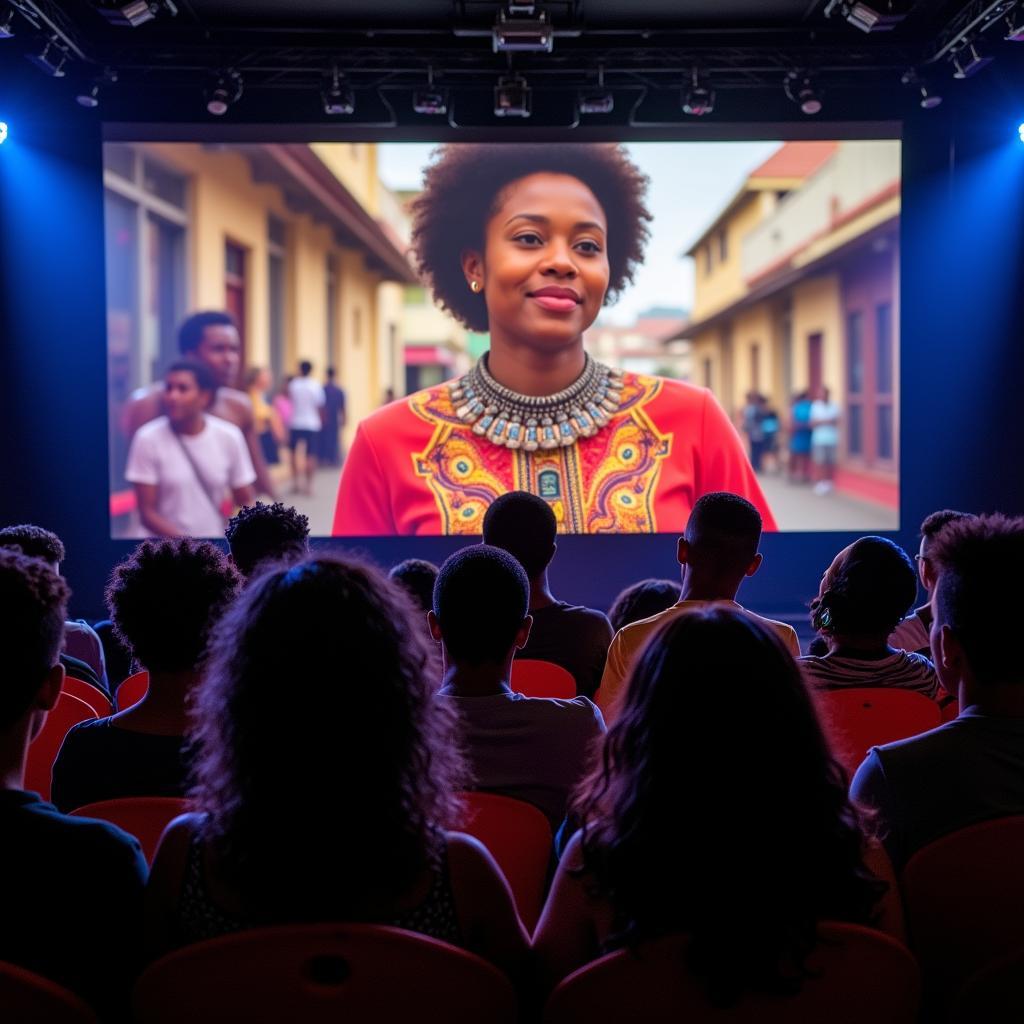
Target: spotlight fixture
point(91, 98)
point(929, 100)
point(133, 13)
point(338, 98)
point(599, 100)
point(3, 132)
point(522, 27)
point(699, 99)
point(226, 90)
point(7, 25)
point(968, 62)
point(879, 16)
point(800, 88)
point(512, 97)
point(50, 60)
point(1014, 31)
point(430, 100)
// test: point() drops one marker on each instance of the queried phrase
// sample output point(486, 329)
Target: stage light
point(1020, 130)
point(133, 12)
point(90, 99)
point(599, 100)
point(50, 60)
point(512, 97)
point(226, 90)
point(430, 100)
point(866, 17)
point(801, 90)
point(7, 25)
point(3, 132)
point(1014, 31)
point(338, 99)
point(929, 99)
point(968, 62)
point(699, 99)
point(522, 27)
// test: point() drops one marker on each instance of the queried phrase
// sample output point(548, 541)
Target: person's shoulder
point(565, 709)
point(224, 428)
point(908, 756)
point(634, 632)
point(579, 615)
point(782, 628)
point(430, 404)
point(680, 393)
point(82, 833)
point(154, 430)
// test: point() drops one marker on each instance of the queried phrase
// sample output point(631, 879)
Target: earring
point(474, 286)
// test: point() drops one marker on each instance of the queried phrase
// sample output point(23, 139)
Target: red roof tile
point(796, 160)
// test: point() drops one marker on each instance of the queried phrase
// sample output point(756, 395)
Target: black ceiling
point(646, 50)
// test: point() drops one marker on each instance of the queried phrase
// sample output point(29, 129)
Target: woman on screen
point(528, 242)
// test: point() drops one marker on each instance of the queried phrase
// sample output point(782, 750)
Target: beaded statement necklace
point(511, 420)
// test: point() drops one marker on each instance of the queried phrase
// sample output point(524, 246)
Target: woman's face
point(544, 269)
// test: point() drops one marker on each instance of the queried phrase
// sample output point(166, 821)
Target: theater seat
point(534, 678)
point(28, 998)
point(860, 975)
point(323, 974)
point(96, 699)
point(994, 995)
point(144, 817)
point(964, 900)
point(860, 717)
point(518, 837)
point(42, 751)
point(132, 690)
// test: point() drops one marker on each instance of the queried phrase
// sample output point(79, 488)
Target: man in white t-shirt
point(308, 400)
point(824, 439)
point(186, 463)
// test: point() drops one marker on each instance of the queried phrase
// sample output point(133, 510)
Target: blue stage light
point(1020, 131)
point(3, 132)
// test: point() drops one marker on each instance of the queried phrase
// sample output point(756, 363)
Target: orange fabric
point(415, 468)
point(630, 640)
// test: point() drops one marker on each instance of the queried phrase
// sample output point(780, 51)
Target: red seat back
point(29, 998)
point(857, 718)
point(994, 995)
point(95, 698)
point(42, 751)
point(964, 899)
point(132, 690)
point(859, 975)
point(144, 817)
point(518, 837)
point(542, 679)
point(323, 973)
point(951, 711)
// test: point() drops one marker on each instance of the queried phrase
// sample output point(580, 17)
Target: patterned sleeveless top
point(200, 917)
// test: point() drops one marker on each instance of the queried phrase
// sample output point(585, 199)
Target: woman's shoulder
point(430, 405)
point(681, 394)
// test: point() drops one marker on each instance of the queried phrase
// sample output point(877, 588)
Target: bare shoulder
point(235, 406)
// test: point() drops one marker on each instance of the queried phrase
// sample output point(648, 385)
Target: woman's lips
point(555, 303)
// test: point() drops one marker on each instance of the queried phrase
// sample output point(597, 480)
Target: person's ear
point(926, 571)
point(434, 626)
point(755, 564)
point(473, 268)
point(48, 693)
point(683, 551)
point(949, 653)
point(523, 633)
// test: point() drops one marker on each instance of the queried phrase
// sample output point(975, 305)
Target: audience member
point(417, 577)
point(531, 748)
point(366, 738)
point(912, 634)
point(80, 639)
point(572, 636)
point(716, 810)
point(717, 552)
point(865, 591)
point(641, 601)
point(971, 768)
point(164, 600)
point(261, 533)
point(308, 401)
point(71, 888)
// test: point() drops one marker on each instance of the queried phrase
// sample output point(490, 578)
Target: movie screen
point(388, 336)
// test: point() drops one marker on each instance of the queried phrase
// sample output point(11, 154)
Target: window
point(276, 240)
point(755, 367)
point(855, 431)
point(234, 286)
point(357, 327)
point(707, 373)
point(884, 376)
point(855, 353)
point(707, 258)
point(332, 308)
point(723, 246)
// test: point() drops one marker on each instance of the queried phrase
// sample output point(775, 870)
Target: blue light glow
point(1020, 131)
point(3, 132)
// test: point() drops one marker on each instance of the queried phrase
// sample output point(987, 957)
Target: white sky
point(690, 183)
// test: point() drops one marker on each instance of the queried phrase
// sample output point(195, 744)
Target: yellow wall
point(817, 308)
point(724, 284)
point(752, 327)
point(354, 164)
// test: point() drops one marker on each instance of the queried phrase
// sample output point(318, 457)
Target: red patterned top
point(416, 468)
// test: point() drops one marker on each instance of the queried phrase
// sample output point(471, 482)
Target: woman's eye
point(590, 248)
point(530, 237)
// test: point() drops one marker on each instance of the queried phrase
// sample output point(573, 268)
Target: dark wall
point(962, 439)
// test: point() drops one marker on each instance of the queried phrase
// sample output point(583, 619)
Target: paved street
point(797, 507)
point(320, 506)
